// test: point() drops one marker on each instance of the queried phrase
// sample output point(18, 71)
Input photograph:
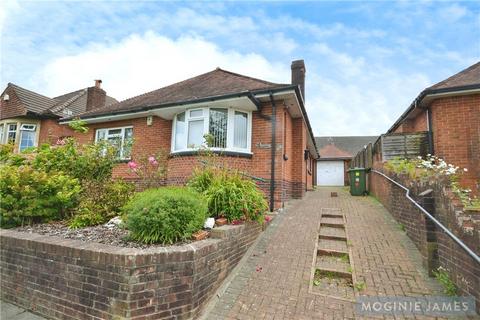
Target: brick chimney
point(96, 96)
point(298, 75)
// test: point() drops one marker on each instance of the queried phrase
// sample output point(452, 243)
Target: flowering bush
point(150, 170)
point(433, 166)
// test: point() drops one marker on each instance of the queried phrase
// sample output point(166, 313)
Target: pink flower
point(132, 165)
point(152, 160)
point(268, 218)
point(60, 142)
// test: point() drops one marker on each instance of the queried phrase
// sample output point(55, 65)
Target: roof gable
point(32, 101)
point(214, 83)
point(343, 146)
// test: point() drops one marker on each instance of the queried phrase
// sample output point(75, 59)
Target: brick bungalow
point(450, 112)
point(245, 116)
point(335, 157)
point(28, 119)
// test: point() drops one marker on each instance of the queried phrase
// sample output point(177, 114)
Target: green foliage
point(235, 198)
point(100, 202)
point(165, 215)
point(359, 285)
point(403, 166)
point(79, 126)
point(202, 179)
point(449, 287)
point(98, 197)
point(229, 194)
point(31, 196)
point(85, 162)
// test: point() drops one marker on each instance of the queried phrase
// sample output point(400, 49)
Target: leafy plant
point(78, 125)
point(449, 287)
point(202, 179)
point(359, 285)
point(100, 202)
point(86, 162)
point(235, 198)
point(165, 215)
point(32, 196)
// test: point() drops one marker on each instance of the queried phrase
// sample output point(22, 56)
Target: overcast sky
point(366, 61)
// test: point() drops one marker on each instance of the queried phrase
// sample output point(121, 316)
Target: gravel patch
point(111, 235)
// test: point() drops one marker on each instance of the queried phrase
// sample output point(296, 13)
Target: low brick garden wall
point(436, 247)
point(70, 279)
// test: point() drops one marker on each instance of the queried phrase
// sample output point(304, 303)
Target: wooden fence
point(390, 146)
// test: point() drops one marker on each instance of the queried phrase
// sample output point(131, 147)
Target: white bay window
point(120, 138)
point(229, 129)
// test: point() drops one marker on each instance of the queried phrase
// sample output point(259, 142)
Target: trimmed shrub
point(165, 215)
point(30, 196)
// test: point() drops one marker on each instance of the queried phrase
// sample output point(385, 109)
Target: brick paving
point(274, 281)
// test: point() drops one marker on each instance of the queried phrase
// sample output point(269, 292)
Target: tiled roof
point(469, 76)
point(33, 102)
point(75, 101)
point(214, 83)
point(342, 147)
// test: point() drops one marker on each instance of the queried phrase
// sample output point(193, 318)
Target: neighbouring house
point(28, 119)
point(335, 156)
point(450, 112)
point(259, 127)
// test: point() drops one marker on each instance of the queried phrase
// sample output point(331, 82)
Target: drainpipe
point(272, 169)
point(431, 150)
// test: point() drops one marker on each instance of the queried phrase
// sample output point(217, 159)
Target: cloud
point(141, 63)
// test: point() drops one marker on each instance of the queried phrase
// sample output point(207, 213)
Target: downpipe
point(438, 223)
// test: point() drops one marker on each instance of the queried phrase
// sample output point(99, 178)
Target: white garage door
point(330, 173)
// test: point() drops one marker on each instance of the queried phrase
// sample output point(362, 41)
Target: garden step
point(332, 245)
point(332, 215)
point(334, 262)
point(332, 220)
point(332, 233)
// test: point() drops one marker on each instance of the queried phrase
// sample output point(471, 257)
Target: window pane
point(12, 133)
point(195, 133)
point(27, 139)
point(240, 130)
point(114, 132)
point(196, 113)
point(180, 132)
point(127, 143)
point(101, 134)
point(1, 133)
point(218, 127)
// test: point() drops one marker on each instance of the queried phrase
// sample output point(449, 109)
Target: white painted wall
point(330, 173)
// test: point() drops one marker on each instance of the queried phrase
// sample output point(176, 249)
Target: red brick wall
point(291, 176)
point(419, 123)
point(456, 134)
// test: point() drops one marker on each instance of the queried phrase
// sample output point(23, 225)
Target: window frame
point(2, 132)
point(122, 135)
point(8, 131)
point(206, 125)
point(27, 127)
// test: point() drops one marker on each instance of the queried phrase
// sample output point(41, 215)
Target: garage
point(335, 156)
point(330, 173)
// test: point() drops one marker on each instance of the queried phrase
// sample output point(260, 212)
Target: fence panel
point(404, 145)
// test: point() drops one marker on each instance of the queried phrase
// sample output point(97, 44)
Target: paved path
point(9, 311)
point(274, 282)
